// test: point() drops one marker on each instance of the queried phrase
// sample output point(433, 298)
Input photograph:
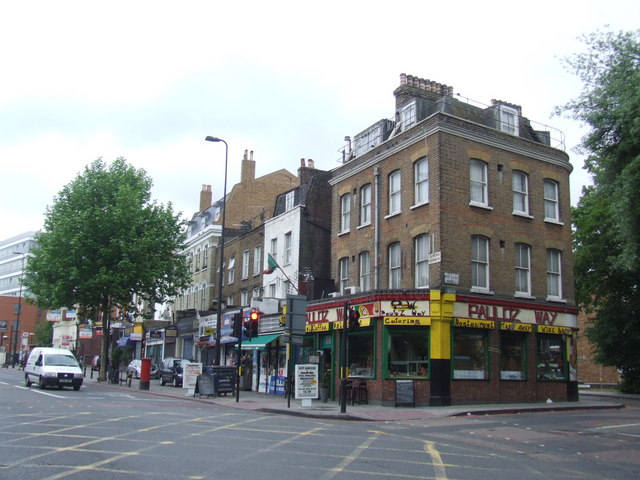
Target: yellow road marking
point(438, 464)
point(348, 459)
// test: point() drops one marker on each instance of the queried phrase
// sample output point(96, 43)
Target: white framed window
point(479, 263)
point(345, 212)
point(523, 269)
point(244, 298)
point(205, 257)
point(367, 140)
point(508, 120)
point(422, 247)
point(232, 270)
point(230, 301)
point(344, 273)
point(287, 248)
point(245, 266)
point(203, 298)
point(479, 190)
point(365, 204)
point(365, 271)
point(520, 186)
point(554, 274)
point(421, 181)
point(257, 260)
point(257, 292)
point(197, 260)
point(394, 192)
point(551, 201)
point(273, 249)
point(272, 290)
point(395, 265)
point(288, 201)
point(408, 116)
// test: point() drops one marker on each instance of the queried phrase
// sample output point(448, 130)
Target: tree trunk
point(104, 350)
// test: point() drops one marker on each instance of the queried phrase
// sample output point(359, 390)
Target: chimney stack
point(205, 197)
point(248, 168)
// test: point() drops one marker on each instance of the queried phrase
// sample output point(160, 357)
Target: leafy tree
point(43, 336)
point(607, 218)
point(105, 244)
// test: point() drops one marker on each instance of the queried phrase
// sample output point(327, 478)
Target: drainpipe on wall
point(376, 228)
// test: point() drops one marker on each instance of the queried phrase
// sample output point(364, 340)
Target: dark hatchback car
point(171, 371)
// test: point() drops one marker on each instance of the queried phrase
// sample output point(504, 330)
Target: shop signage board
point(470, 323)
point(306, 383)
point(405, 393)
point(85, 333)
point(204, 385)
point(190, 372)
point(515, 312)
point(516, 327)
point(407, 321)
point(54, 315)
point(554, 330)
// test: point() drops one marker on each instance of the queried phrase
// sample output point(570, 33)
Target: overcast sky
point(149, 80)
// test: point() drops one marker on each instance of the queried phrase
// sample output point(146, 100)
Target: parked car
point(171, 371)
point(135, 367)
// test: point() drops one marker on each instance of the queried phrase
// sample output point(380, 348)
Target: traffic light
point(254, 318)
point(354, 318)
point(237, 325)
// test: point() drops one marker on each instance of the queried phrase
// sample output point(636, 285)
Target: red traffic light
point(254, 318)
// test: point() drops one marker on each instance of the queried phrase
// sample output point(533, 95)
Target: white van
point(53, 367)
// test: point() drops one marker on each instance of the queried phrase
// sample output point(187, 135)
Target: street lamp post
point(216, 354)
point(17, 327)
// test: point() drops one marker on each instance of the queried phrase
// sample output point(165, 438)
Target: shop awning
point(261, 341)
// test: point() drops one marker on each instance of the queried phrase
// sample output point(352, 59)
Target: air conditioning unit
point(334, 294)
point(351, 290)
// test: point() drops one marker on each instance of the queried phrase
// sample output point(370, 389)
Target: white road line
point(617, 426)
point(47, 393)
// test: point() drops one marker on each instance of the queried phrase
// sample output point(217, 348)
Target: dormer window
point(288, 201)
point(367, 140)
point(203, 223)
point(508, 120)
point(408, 116)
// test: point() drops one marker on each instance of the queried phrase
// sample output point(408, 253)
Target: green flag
point(271, 264)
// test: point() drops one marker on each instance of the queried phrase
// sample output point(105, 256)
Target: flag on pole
point(271, 264)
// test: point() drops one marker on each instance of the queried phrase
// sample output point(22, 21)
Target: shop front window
point(469, 354)
point(512, 356)
point(408, 354)
point(361, 355)
point(549, 359)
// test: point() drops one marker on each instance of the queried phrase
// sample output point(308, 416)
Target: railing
point(473, 111)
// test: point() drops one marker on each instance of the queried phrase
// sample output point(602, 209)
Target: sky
point(149, 80)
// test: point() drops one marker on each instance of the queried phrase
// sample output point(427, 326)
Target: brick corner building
point(451, 235)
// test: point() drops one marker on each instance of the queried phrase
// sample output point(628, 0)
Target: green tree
point(607, 218)
point(43, 336)
point(106, 244)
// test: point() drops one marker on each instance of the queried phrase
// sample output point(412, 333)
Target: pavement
point(279, 404)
